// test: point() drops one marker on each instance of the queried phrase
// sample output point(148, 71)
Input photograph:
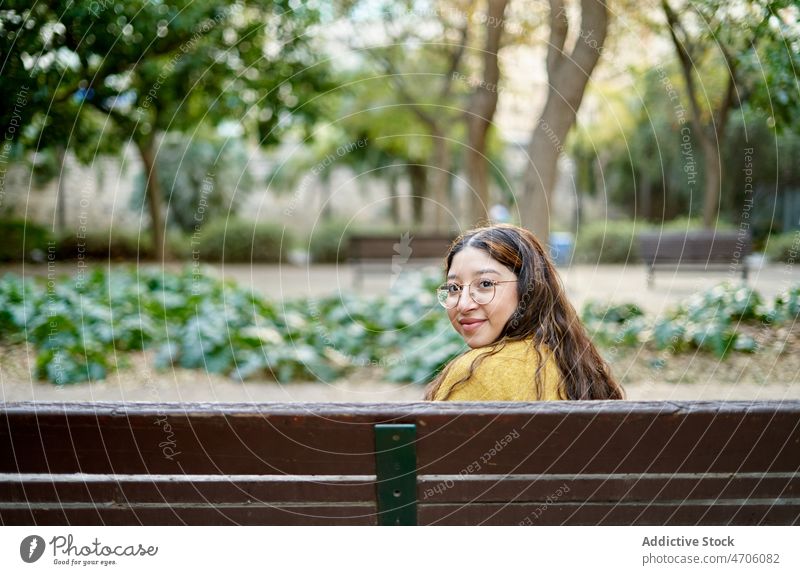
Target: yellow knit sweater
point(507, 375)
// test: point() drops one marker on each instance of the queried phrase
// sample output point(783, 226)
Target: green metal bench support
point(396, 473)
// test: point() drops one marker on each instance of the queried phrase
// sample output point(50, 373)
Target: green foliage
point(22, 240)
point(611, 241)
point(706, 321)
point(155, 67)
point(235, 240)
point(786, 307)
point(79, 326)
point(784, 247)
point(90, 77)
point(200, 177)
point(684, 223)
point(329, 242)
point(110, 244)
point(193, 320)
point(616, 324)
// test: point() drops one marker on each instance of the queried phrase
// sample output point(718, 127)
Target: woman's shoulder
point(505, 371)
point(510, 349)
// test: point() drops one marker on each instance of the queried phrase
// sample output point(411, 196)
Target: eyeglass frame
point(469, 291)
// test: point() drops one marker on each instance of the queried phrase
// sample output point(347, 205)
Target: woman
point(504, 297)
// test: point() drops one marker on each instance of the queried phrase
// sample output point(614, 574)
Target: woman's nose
point(465, 301)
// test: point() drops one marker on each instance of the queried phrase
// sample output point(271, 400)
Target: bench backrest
point(587, 463)
point(700, 246)
point(411, 248)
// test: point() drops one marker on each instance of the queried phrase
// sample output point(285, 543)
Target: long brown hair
point(543, 314)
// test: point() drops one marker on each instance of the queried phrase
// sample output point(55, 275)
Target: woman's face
point(480, 325)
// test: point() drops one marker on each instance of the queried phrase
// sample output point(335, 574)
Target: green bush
point(113, 244)
point(22, 240)
point(179, 244)
point(614, 324)
point(329, 242)
point(608, 241)
point(685, 223)
point(786, 306)
point(196, 321)
point(784, 247)
point(234, 240)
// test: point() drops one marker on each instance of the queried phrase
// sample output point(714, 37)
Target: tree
point(422, 68)
point(568, 73)
point(150, 68)
point(440, 62)
point(727, 37)
point(481, 109)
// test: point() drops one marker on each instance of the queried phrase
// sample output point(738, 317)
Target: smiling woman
point(504, 297)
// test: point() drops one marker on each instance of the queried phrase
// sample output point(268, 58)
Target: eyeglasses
point(449, 294)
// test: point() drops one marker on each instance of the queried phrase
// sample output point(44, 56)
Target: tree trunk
point(394, 199)
point(325, 208)
point(568, 74)
point(61, 204)
point(439, 208)
point(713, 180)
point(417, 176)
point(711, 133)
point(477, 173)
point(645, 203)
point(154, 198)
point(482, 107)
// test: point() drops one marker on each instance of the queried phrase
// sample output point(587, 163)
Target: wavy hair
point(543, 314)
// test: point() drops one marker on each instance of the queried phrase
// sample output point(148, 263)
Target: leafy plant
point(22, 240)
point(235, 240)
point(608, 242)
point(784, 247)
point(81, 325)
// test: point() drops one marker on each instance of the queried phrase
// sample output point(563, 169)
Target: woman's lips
point(471, 325)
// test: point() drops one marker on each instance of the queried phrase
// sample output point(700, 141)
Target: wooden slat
point(753, 512)
point(336, 439)
point(127, 440)
point(694, 247)
point(605, 488)
point(182, 514)
point(623, 438)
point(126, 490)
point(383, 247)
point(623, 462)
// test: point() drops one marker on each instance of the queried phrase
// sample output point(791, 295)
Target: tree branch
point(455, 61)
point(403, 91)
point(685, 60)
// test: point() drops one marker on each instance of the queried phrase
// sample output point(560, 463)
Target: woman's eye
point(485, 284)
point(453, 288)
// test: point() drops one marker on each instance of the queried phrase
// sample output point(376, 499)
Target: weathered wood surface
point(495, 463)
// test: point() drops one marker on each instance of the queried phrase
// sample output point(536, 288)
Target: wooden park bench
point(695, 250)
point(395, 254)
point(578, 463)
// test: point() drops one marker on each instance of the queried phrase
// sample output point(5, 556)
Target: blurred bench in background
point(695, 250)
point(392, 255)
point(545, 463)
